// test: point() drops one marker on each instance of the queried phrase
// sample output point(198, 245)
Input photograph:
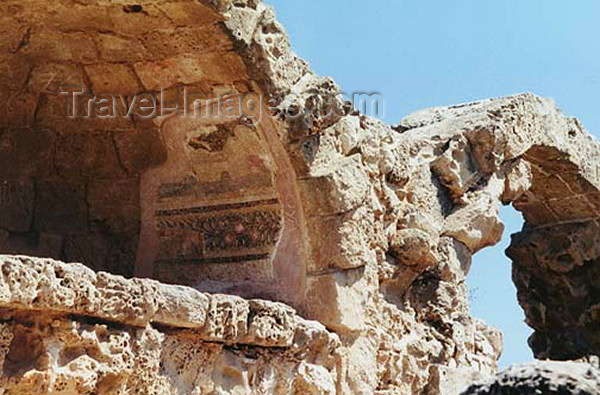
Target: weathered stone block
point(339, 242)
point(456, 169)
point(181, 306)
point(314, 380)
point(123, 300)
point(548, 185)
point(270, 324)
point(594, 199)
point(12, 33)
point(339, 190)
point(157, 75)
point(227, 319)
point(413, 247)
point(17, 111)
point(536, 212)
point(32, 244)
point(569, 377)
point(303, 153)
point(571, 208)
point(73, 17)
point(243, 22)
point(148, 19)
point(165, 43)
point(338, 299)
point(191, 69)
point(476, 224)
point(196, 273)
point(189, 14)
point(518, 180)
point(58, 113)
point(377, 214)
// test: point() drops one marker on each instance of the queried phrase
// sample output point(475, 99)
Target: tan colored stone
point(339, 242)
point(518, 181)
point(339, 299)
point(136, 24)
point(271, 324)
point(476, 224)
point(14, 71)
point(189, 14)
point(188, 70)
point(456, 169)
point(227, 319)
point(337, 191)
point(412, 247)
point(181, 306)
point(365, 227)
point(166, 43)
point(313, 379)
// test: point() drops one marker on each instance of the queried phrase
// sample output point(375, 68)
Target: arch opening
point(493, 295)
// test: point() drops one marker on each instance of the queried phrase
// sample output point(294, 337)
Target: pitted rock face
point(542, 378)
point(181, 193)
point(366, 228)
point(66, 328)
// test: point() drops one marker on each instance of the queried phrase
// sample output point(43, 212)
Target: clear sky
point(425, 53)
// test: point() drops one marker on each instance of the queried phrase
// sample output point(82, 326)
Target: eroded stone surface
point(66, 328)
point(365, 227)
point(542, 378)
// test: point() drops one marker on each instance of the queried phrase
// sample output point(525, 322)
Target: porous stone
point(549, 377)
point(366, 228)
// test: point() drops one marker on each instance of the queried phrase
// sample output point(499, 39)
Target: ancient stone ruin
point(313, 251)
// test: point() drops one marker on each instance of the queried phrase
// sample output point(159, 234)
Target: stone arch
point(555, 256)
point(372, 227)
point(523, 151)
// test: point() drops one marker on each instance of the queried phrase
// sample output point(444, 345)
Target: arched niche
point(208, 203)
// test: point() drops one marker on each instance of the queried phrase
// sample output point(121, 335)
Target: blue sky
point(425, 53)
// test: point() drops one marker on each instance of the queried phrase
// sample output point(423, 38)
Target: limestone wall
point(66, 329)
point(366, 228)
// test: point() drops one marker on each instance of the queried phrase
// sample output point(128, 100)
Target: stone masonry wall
point(366, 228)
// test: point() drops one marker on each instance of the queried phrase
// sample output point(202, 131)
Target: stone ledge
point(36, 284)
